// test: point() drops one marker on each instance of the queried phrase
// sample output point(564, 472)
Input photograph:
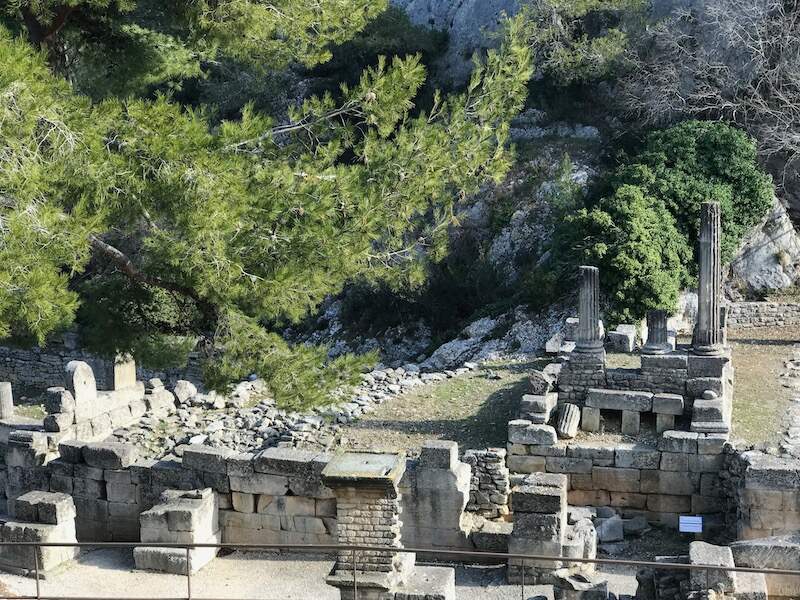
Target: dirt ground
point(759, 396)
point(472, 409)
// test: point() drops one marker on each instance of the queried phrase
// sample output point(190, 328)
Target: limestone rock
point(569, 417)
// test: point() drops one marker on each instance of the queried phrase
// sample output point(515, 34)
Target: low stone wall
point(679, 476)
point(763, 314)
point(33, 370)
point(768, 496)
point(489, 486)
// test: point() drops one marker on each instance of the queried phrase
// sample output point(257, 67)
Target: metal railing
point(319, 548)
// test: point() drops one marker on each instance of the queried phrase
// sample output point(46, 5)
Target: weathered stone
point(702, 553)
point(184, 390)
point(540, 383)
point(524, 432)
point(631, 456)
point(610, 529)
point(619, 400)
point(631, 422)
point(590, 419)
point(6, 400)
point(569, 417)
point(664, 422)
point(678, 441)
point(124, 375)
point(56, 422)
point(668, 404)
point(206, 458)
point(439, 454)
point(109, 455)
point(616, 480)
point(81, 384)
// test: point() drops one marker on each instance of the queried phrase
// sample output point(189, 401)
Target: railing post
point(523, 579)
point(188, 574)
point(355, 581)
point(36, 569)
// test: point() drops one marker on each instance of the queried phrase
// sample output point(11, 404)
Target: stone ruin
point(557, 489)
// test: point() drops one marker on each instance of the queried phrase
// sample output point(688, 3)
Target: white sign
point(690, 524)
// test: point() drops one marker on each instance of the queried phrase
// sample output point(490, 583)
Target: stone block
point(619, 400)
point(110, 455)
point(124, 372)
point(615, 479)
point(695, 388)
point(288, 462)
point(631, 456)
point(711, 443)
point(667, 482)
point(708, 410)
point(668, 404)
point(628, 500)
point(557, 464)
point(539, 526)
point(588, 498)
point(86, 472)
point(706, 463)
point(439, 454)
point(57, 422)
point(539, 499)
point(286, 505)
point(770, 472)
point(206, 458)
point(664, 422)
point(601, 456)
point(521, 431)
point(706, 504)
point(707, 366)
point(526, 464)
point(121, 492)
point(243, 502)
point(674, 461)
point(59, 400)
point(631, 422)
point(669, 503)
point(540, 382)
point(702, 553)
point(751, 586)
point(120, 417)
point(138, 409)
point(568, 422)
point(662, 362)
point(590, 419)
point(678, 441)
point(260, 483)
point(88, 488)
point(610, 529)
point(71, 450)
point(620, 341)
point(763, 499)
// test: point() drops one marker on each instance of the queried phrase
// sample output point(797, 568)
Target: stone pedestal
point(657, 333)
point(368, 514)
point(589, 338)
point(708, 334)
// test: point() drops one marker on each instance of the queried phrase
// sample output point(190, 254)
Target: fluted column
point(657, 334)
point(588, 339)
point(708, 331)
point(6, 400)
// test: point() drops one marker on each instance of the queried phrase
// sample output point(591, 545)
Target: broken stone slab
point(522, 431)
point(540, 382)
point(619, 400)
point(51, 508)
point(620, 341)
point(110, 455)
point(611, 529)
point(703, 553)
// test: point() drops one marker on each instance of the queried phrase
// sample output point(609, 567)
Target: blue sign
point(690, 524)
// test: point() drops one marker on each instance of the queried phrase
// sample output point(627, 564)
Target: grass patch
point(760, 399)
point(31, 411)
point(473, 410)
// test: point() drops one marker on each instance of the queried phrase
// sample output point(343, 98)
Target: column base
point(710, 350)
point(592, 347)
point(656, 349)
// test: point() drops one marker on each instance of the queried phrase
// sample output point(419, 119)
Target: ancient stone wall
point(32, 370)
point(680, 475)
point(763, 314)
point(489, 486)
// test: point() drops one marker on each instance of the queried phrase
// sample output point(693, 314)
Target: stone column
point(6, 400)
point(589, 339)
point(708, 333)
point(657, 333)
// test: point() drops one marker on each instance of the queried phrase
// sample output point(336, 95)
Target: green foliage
point(643, 232)
point(307, 383)
point(581, 41)
point(225, 229)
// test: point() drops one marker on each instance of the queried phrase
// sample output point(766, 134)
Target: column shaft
point(708, 332)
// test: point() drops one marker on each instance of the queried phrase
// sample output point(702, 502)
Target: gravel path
point(108, 573)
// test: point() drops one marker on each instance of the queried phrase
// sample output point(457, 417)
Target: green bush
point(642, 232)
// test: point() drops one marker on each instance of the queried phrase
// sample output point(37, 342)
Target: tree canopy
point(161, 227)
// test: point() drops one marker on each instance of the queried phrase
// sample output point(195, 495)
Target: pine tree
point(162, 228)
